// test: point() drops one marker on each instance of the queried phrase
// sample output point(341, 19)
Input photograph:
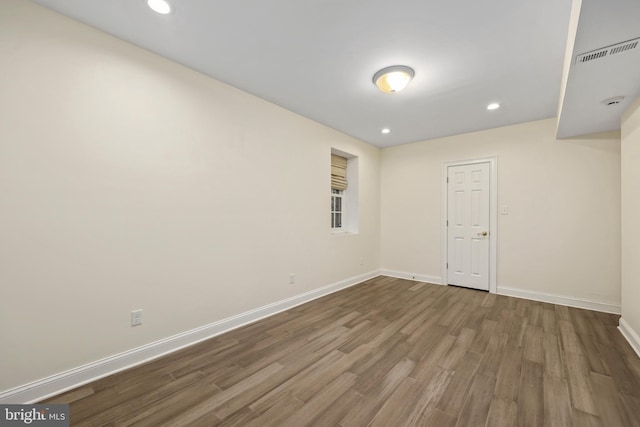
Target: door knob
point(482, 233)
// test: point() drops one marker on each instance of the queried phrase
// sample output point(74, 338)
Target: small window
point(344, 193)
point(337, 209)
point(338, 186)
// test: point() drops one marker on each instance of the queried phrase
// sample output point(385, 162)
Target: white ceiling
point(602, 23)
point(317, 57)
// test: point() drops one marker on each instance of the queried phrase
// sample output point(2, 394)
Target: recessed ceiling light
point(385, 130)
point(393, 79)
point(160, 6)
point(493, 106)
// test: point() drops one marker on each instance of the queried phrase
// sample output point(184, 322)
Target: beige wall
point(128, 181)
point(562, 233)
point(630, 151)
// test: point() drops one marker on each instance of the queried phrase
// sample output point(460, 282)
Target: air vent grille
point(607, 51)
point(624, 47)
point(592, 56)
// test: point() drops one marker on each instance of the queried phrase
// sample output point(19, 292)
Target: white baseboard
point(67, 380)
point(630, 335)
point(411, 276)
point(519, 293)
point(560, 300)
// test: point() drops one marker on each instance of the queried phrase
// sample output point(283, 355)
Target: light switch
point(504, 210)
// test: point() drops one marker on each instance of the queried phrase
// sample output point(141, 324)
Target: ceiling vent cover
point(607, 51)
point(613, 101)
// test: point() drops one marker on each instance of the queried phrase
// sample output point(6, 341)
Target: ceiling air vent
point(607, 51)
point(624, 47)
point(613, 101)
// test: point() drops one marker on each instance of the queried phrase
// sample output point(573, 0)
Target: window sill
point(344, 233)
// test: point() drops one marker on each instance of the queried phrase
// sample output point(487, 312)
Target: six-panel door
point(468, 231)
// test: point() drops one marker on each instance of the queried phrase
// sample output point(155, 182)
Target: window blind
point(338, 172)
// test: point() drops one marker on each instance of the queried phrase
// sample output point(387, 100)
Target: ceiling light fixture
point(493, 106)
point(385, 130)
point(393, 79)
point(160, 6)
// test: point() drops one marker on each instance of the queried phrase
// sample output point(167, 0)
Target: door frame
point(493, 217)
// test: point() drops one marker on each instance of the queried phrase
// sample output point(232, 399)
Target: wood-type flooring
point(387, 352)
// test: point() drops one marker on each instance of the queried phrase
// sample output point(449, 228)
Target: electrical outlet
point(136, 317)
point(292, 279)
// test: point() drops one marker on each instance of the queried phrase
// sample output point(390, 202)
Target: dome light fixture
point(393, 79)
point(385, 130)
point(493, 106)
point(163, 7)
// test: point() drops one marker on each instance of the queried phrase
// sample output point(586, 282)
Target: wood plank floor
point(388, 352)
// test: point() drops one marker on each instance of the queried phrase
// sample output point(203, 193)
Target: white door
point(468, 234)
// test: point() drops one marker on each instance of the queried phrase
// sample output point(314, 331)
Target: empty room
point(292, 213)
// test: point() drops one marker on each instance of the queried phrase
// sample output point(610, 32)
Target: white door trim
point(493, 217)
